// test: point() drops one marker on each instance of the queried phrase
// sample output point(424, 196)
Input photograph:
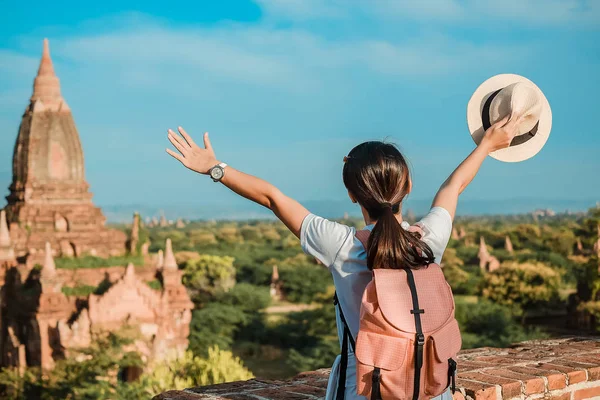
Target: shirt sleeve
point(322, 238)
point(437, 228)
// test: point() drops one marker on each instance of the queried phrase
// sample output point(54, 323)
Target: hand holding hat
point(521, 105)
point(502, 133)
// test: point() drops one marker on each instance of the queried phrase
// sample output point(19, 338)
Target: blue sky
point(287, 87)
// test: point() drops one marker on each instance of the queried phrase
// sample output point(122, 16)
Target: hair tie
point(386, 204)
point(346, 158)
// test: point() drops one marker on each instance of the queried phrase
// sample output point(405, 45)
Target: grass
point(97, 262)
point(79, 290)
point(155, 284)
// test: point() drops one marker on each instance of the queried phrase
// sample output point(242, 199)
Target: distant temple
point(49, 200)
point(50, 214)
point(487, 262)
point(275, 288)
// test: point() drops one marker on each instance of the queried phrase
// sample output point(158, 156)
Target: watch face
point(216, 173)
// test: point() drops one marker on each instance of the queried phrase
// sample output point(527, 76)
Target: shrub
point(206, 275)
point(488, 324)
point(214, 325)
point(187, 370)
point(97, 262)
point(248, 298)
point(522, 286)
point(79, 290)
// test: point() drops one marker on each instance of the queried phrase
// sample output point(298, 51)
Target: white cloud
point(152, 53)
point(15, 63)
point(585, 13)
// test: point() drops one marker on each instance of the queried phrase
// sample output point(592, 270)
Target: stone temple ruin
point(487, 262)
point(50, 214)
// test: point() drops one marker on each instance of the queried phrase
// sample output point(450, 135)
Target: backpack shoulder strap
point(363, 236)
point(347, 337)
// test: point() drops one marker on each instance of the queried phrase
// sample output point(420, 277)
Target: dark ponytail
point(377, 175)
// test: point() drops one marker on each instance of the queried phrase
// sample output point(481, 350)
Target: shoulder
point(437, 228)
point(323, 238)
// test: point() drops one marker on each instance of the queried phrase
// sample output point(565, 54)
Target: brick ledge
point(560, 369)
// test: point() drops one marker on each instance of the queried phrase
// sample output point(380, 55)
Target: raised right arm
point(498, 136)
point(200, 160)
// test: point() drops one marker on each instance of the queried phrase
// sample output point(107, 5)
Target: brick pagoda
point(49, 200)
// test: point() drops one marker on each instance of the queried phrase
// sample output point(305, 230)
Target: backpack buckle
point(420, 339)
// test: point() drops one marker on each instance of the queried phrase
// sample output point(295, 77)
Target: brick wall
point(562, 369)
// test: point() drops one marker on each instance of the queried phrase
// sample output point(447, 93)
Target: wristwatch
point(217, 172)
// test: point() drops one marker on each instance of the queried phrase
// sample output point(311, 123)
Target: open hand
point(499, 135)
point(190, 154)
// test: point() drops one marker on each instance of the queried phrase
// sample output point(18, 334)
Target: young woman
point(378, 179)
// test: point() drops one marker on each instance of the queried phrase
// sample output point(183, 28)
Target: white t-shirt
point(336, 246)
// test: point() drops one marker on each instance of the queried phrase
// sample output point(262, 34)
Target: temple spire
point(46, 86)
point(508, 245)
point(483, 254)
point(169, 262)
point(160, 259)
point(46, 67)
point(130, 272)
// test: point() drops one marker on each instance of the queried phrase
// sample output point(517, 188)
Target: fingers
point(175, 155)
point(513, 122)
point(502, 122)
point(175, 138)
point(177, 144)
point(207, 144)
point(187, 137)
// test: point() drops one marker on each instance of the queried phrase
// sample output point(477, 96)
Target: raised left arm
point(200, 160)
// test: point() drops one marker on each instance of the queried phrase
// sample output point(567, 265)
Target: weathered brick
point(471, 365)
point(594, 373)
point(281, 393)
point(510, 387)
point(306, 389)
point(495, 360)
point(233, 387)
point(562, 396)
point(556, 379)
point(531, 384)
point(179, 395)
point(574, 375)
point(587, 393)
point(458, 396)
point(478, 390)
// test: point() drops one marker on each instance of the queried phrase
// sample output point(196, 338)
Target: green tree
point(88, 374)
point(206, 275)
point(214, 325)
point(302, 280)
point(188, 370)
point(488, 324)
point(248, 298)
point(522, 286)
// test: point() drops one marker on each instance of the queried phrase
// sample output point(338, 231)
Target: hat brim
point(515, 153)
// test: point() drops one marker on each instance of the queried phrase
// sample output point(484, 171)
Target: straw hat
point(503, 95)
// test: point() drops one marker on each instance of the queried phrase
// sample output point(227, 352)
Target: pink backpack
point(408, 336)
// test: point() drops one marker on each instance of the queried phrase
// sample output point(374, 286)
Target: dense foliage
point(550, 273)
point(94, 373)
